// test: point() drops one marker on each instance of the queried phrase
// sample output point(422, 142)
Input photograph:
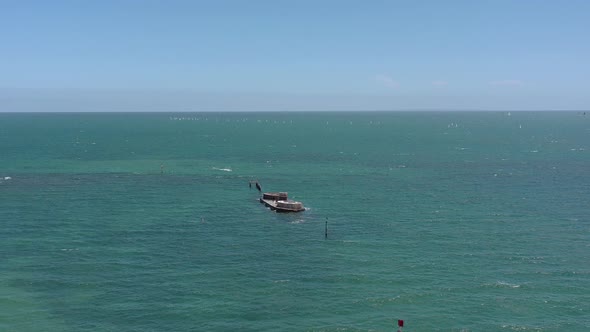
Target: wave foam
point(502, 284)
point(227, 169)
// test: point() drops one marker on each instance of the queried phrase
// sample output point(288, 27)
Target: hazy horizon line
point(312, 111)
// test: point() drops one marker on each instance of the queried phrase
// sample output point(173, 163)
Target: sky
point(298, 55)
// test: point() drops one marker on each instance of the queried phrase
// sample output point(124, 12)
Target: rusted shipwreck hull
point(280, 202)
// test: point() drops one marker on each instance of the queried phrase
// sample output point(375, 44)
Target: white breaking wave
point(502, 284)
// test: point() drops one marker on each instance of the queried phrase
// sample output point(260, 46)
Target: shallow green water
point(450, 221)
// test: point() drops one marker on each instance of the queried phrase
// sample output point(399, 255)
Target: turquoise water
point(451, 221)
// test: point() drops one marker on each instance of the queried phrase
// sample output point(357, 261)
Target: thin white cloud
point(440, 83)
point(507, 83)
point(387, 81)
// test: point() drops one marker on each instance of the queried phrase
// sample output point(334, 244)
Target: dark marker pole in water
point(326, 233)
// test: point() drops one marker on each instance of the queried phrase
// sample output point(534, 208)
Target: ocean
point(451, 221)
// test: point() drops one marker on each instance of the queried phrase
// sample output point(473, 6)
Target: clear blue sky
point(293, 55)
